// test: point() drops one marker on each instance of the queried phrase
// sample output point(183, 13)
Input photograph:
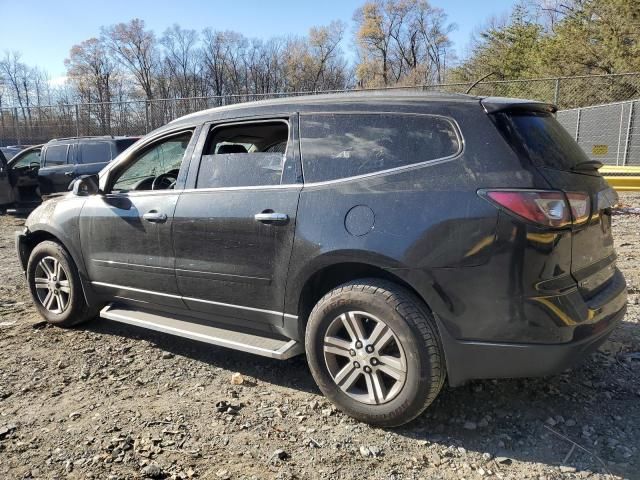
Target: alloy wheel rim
point(52, 285)
point(365, 358)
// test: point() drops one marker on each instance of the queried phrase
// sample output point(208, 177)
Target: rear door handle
point(271, 217)
point(69, 174)
point(155, 217)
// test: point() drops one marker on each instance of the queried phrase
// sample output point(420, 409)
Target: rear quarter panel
point(426, 219)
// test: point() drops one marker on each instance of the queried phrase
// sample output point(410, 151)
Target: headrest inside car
point(231, 148)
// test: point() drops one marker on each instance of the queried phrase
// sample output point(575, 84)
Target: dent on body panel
point(427, 217)
point(522, 294)
point(435, 217)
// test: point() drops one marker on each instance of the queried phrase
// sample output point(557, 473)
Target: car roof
point(337, 100)
point(409, 99)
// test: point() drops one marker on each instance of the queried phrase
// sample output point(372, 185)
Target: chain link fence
point(598, 109)
point(609, 133)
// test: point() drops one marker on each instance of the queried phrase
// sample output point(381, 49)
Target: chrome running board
point(278, 348)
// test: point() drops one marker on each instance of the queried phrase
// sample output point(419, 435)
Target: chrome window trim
point(435, 161)
point(180, 297)
point(143, 193)
point(258, 187)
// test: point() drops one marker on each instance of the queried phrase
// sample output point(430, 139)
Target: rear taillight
point(580, 204)
point(545, 207)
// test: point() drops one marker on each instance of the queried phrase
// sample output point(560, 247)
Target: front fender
point(58, 220)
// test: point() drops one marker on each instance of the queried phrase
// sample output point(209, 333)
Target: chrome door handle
point(155, 217)
point(271, 217)
point(69, 174)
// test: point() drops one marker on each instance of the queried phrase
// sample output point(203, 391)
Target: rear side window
point(541, 138)
point(244, 155)
point(56, 155)
point(95, 152)
point(345, 145)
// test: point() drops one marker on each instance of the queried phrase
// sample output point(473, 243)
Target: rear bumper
point(467, 360)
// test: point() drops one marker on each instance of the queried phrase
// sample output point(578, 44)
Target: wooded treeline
point(391, 42)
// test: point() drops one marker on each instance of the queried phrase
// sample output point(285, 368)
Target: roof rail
point(81, 137)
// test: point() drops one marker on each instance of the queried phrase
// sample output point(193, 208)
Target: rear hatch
point(536, 135)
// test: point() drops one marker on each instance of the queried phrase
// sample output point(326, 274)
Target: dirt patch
point(110, 401)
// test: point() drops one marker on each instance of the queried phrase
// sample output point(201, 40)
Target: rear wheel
point(373, 350)
point(55, 286)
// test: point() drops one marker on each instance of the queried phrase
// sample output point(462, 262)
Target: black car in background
point(43, 170)
point(399, 239)
point(66, 159)
point(12, 150)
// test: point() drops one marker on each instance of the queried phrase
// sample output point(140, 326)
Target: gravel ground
point(111, 401)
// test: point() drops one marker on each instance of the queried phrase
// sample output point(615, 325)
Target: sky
point(44, 31)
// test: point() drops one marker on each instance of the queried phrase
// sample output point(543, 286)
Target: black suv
point(396, 238)
point(65, 159)
point(40, 171)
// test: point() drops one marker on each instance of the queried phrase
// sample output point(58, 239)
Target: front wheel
point(55, 287)
point(373, 350)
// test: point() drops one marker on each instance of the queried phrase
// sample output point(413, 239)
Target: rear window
point(56, 155)
point(123, 144)
point(346, 145)
point(95, 152)
point(541, 138)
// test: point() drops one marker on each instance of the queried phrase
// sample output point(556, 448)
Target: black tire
point(76, 310)
point(414, 328)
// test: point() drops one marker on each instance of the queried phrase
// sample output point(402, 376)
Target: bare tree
point(181, 57)
point(324, 44)
point(213, 60)
point(401, 41)
point(91, 70)
point(10, 66)
point(136, 49)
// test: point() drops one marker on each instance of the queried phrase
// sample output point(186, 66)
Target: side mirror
point(85, 186)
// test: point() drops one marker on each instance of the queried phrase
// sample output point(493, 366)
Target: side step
point(280, 349)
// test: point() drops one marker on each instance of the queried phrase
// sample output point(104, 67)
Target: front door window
point(156, 168)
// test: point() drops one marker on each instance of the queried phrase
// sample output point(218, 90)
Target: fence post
point(77, 110)
point(620, 133)
point(15, 124)
point(146, 116)
point(578, 123)
point(556, 93)
point(625, 153)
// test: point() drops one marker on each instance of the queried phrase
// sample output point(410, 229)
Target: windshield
point(541, 138)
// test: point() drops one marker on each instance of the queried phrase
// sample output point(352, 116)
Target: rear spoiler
point(502, 104)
